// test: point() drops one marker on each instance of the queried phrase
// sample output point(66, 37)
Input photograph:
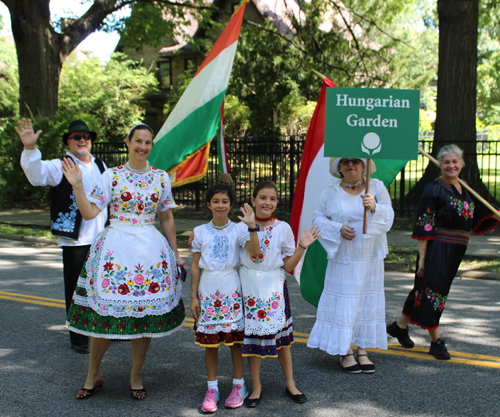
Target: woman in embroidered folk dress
point(351, 310)
point(268, 318)
point(129, 287)
point(445, 217)
point(216, 302)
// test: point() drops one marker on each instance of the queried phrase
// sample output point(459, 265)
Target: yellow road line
point(31, 296)
point(463, 358)
point(460, 354)
point(42, 303)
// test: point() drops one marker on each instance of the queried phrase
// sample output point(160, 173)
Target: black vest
point(65, 218)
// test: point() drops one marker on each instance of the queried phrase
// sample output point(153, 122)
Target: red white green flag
point(182, 145)
point(314, 178)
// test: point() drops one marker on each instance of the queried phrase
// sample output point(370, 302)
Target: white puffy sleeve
point(41, 172)
point(101, 194)
point(329, 229)
point(167, 200)
point(288, 241)
point(198, 239)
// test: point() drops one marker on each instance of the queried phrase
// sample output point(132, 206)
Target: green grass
point(26, 231)
point(406, 262)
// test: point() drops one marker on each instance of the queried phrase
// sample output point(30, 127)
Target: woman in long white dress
point(129, 287)
point(351, 310)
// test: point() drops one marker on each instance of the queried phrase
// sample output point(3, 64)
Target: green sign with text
point(372, 123)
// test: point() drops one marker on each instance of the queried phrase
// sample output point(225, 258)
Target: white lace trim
point(237, 326)
point(271, 342)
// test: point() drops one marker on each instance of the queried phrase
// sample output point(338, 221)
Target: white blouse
point(335, 209)
point(276, 243)
point(220, 249)
point(41, 173)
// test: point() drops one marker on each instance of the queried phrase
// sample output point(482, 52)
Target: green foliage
point(111, 94)
point(426, 119)
point(294, 115)
point(147, 26)
point(236, 116)
point(263, 76)
point(488, 85)
point(15, 190)
point(107, 98)
point(9, 81)
point(151, 22)
point(176, 93)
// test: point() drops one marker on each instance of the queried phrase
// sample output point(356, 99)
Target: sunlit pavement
point(40, 374)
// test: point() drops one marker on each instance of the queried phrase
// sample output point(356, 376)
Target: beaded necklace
point(220, 227)
point(138, 171)
point(353, 186)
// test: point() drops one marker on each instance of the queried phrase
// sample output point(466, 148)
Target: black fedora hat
point(78, 126)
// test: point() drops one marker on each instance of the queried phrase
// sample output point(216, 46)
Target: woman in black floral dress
point(446, 214)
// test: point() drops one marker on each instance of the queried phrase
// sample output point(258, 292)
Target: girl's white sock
point(213, 385)
point(238, 381)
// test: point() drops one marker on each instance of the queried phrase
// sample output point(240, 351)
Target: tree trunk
point(456, 91)
point(41, 51)
point(39, 58)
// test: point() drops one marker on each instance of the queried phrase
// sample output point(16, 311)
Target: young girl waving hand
point(216, 302)
point(268, 319)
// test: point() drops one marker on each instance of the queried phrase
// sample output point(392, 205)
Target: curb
point(31, 239)
point(472, 274)
point(490, 276)
point(186, 251)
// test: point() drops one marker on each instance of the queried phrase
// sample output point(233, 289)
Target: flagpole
point(319, 74)
point(474, 193)
point(367, 190)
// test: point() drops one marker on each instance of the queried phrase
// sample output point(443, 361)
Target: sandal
point(353, 369)
point(138, 394)
point(86, 393)
point(367, 368)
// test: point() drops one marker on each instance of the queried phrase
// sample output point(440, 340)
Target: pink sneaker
point(210, 402)
point(237, 396)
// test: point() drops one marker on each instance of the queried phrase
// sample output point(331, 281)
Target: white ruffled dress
point(351, 310)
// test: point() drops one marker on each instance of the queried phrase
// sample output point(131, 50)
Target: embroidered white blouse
point(220, 249)
point(276, 243)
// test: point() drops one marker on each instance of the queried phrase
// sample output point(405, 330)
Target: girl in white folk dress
point(216, 302)
point(268, 319)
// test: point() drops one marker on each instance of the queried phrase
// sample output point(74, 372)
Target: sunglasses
point(346, 162)
point(78, 137)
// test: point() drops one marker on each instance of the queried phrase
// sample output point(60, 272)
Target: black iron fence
point(277, 158)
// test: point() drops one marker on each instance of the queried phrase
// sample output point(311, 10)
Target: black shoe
point(83, 349)
point(401, 334)
point(86, 393)
point(298, 398)
point(438, 350)
point(253, 402)
point(138, 394)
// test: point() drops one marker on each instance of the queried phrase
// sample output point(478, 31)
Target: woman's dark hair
point(140, 126)
point(262, 185)
point(221, 188)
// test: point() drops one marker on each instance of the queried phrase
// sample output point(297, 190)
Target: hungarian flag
point(314, 178)
point(182, 145)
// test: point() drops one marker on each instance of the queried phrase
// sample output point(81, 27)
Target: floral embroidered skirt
point(218, 339)
point(84, 320)
point(425, 303)
point(268, 346)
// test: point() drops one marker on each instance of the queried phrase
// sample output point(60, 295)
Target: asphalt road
point(39, 373)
